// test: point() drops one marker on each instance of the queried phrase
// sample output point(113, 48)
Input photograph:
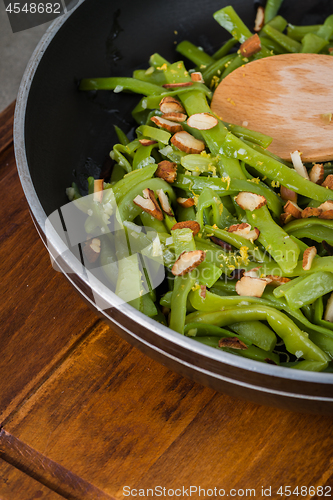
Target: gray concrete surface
point(15, 52)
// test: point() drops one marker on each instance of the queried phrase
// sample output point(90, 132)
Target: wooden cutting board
point(85, 416)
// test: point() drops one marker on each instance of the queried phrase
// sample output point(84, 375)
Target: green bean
point(271, 9)
point(308, 289)
point(313, 228)
point(313, 44)
point(225, 49)
point(150, 75)
point(195, 54)
point(157, 61)
point(295, 340)
point(216, 68)
point(213, 302)
point(289, 44)
point(312, 366)
point(119, 84)
point(273, 169)
point(142, 157)
point(131, 180)
point(205, 330)
point(258, 333)
point(275, 240)
point(250, 135)
point(298, 32)
point(318, 314)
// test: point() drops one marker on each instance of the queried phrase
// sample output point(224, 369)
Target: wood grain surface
point(87, 416)
point(286, 97)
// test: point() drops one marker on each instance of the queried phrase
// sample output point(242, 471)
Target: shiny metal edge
point(40, 217)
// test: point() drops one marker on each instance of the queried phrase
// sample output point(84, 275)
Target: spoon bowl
point(288, 97)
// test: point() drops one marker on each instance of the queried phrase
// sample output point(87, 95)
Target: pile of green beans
point(284, 326)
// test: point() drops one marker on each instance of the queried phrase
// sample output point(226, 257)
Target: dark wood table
point(86, 416)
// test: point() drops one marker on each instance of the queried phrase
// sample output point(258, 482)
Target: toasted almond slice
point(250, 287)
point(187, 261)
point(308, 256)
point(164, 201)
point(168, 125)
point(196, 76)
point(171, 105)
point(252, 273)
point(244, 230)
point(98, 190)
point(260, 18)
point(203, 291)
point(285, 218)
point(298, 164)
point(92, 249)
point(327, 205)
point(232, 343)
point(328, 315)
point(328, 182)
point(202, 121)
point(191, 224)
point(288, 194)
point(167, 170)
point(186, 202)
point(223, 244)
point(317, 173)
point(149, 204)
point(175, 117)
point(250, 201)
point(187, 143)
point(310, 212)
point(276, 280)
point(147, 142)
point(327, 214)
point(293, 209)
point(251, 46)
point(177, 85)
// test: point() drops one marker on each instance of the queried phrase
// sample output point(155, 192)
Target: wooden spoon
point(288, 97)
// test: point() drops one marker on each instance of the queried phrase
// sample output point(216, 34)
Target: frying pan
point(60, 134)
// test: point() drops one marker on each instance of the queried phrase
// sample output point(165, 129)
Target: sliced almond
point(168, 125)
point(149, 204)
point(203, 291)
point(244, 230)
point(187, 143)
point(175, 117)
point(252, 273)
point(288, 194)
point(317, 173)
point(276, 280)
point(327, 214)
point(293, 209)
point(327, 205)
point(223, 244)
point(187, 261)
point(285, 218)
point(197, 77)
point(171, 105)
point(232, 343)
point(326, 209)
point(298, 164)
point(164, 201)
point(250, 201)
point(202, 121)
point(251, 46)
point(98, 190)
point(260, 18)
point(147, 142)
point(167, 170)
point(328, 182)
point(251, 287)
point(328, 315)
point(186, 202)
point(92, 249)
point(310, 212)
point(191, 224)
point(177, 85)
point(308, 256)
